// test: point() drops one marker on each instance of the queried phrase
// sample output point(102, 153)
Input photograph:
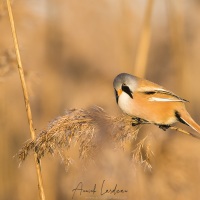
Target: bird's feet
point(163, 126)
point(138, 121)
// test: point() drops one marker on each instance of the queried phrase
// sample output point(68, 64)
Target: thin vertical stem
point(178, 44)
point(144, 43)
point(26, 99)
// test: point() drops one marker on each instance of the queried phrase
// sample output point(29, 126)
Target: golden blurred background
point(71, 51)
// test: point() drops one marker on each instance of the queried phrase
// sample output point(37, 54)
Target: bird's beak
point(119, 92)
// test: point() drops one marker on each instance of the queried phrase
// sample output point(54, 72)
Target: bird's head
point(125, 83)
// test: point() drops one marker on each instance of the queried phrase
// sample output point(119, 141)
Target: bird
point(151, 103)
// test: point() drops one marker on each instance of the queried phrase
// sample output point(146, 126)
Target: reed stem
point(144, 43)
point(26, 99)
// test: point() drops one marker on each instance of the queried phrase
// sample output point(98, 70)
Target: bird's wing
point(158, 93)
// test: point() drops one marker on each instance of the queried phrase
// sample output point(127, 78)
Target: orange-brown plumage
point(146, 100)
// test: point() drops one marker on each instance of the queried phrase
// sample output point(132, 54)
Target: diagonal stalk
point(26, 99)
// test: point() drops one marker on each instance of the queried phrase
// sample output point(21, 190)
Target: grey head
point(126, 83)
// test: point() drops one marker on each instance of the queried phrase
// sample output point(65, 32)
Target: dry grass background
point(71, 51)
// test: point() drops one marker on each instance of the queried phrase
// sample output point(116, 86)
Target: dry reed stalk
point(196, 135)
point(142, 153)
point(26, 99)
point(178, 43)
point(144, 42)
point(92, 129)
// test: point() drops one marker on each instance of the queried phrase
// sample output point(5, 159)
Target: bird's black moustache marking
point(126, 89)
point(116, 96)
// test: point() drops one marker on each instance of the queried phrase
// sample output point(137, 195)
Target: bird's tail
point(187, 119)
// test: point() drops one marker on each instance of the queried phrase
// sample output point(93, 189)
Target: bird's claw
point(138, 121)
point(164, 127)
